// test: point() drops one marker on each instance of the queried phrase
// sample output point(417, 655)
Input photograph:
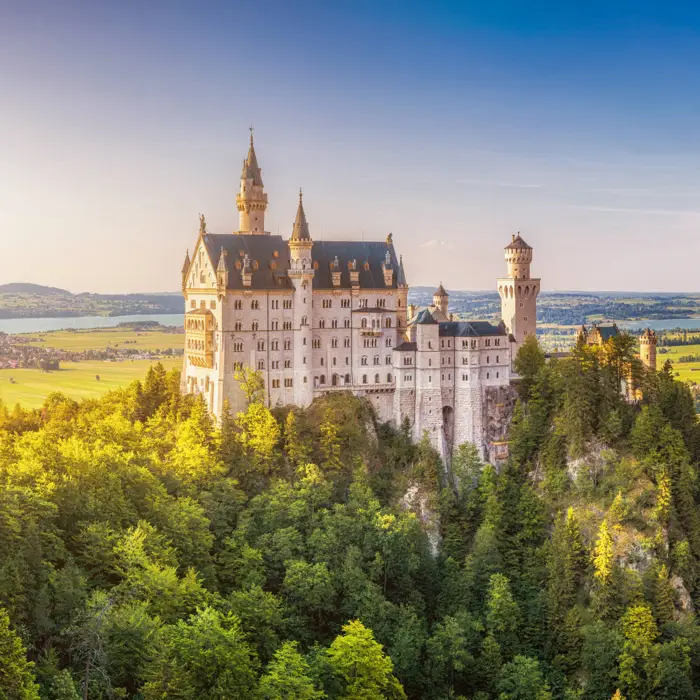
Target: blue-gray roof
point(472, 329)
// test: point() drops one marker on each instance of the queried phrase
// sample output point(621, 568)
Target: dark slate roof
point(300, 231)
point(401, 275)
point(251, 171)
point(261, 248)
point(471, 329)
point(440, 291)
point(325, 252)
point(406, 346)
point(424, 316)
point(606, 330)
point(518, 243)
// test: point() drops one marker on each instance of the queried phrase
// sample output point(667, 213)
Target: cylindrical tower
point(647, 349)
point(441, 299)
point(519, 257)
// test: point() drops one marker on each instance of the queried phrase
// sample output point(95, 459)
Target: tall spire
point(251, 171)
point(300, 232)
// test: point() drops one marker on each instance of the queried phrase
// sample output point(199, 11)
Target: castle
point(315, 317)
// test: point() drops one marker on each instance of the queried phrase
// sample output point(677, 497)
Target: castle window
point(275, 364)
point(287, 364)
point(465, 377)
point(323, 362)
point(488, 359)
point(305, 378)
point(275, 383)
point(323, 379)
point(334, 380)
point(303, 342)
point(449, 377)
point(524, 318)
point(347, 379)
point(497, 341)
point(287, 344)
point(334, 362)
point(363, 361)
point(237, 366)
point(430, 345)
point(346, 323)
point(363, 303)
point(212, 304)
point(321, 324)
point(334, 323)
point(287, 326)
point(346, 343)
point(327, 303)
point(261, 344)
point(202, 304)
point(304, 321)
point(430, 378)
point(487, 342)
point(442, 360)
point(255, 326)
point(255, 304)
point(472, 344)
point(408, 360)
point(287, 304)
point(316, 343)
point(193, 304)
point(376, 379)
point(364, 379)
point(430, 363)
point(488, 375)
point(275, 345)
point(497, 375)
point(238, 305)
point(363, 323)
point(275, 304)
point(347, 360)
point(275, 325)
point(334, 343)
point(345, 303)
point(442, 377)
point(261, 364)
point(399, 303)
point(498, 359)
point(387, 359)
point(238, 347)
point(237, 326)
point(407, 377)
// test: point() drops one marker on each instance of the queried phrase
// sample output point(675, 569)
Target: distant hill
point(29, 288)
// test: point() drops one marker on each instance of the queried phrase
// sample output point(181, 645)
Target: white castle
point(316, 317)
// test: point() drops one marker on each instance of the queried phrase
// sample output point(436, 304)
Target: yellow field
point(75, 379)
point(687, 371)
point(101, 338)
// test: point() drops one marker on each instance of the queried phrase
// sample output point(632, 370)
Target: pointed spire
point(186, 264)
point(440, 291)
point(251, 171)
point(300, 232)
point(401, 275)
point(222, 260)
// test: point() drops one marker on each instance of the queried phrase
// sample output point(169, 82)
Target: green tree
point(252, 384)
point(522, 679)
point(367, 672)
point(330, 442)
point(502, 613)
point(16, 677)
point(288, 676)
point(528, 362)
point(205, 657)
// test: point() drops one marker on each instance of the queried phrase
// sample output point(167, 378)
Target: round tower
point(647, 349)
point(251, 201)
point(441, 299)
point(518, 257)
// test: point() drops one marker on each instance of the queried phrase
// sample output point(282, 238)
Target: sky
point(451, 125)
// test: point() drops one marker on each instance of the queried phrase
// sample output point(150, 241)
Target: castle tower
point(301, 273)
point(647, 349)
point(441, 299)
point(251, 201)
point(518, 292)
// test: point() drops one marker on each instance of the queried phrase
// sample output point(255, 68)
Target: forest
point(146, 553)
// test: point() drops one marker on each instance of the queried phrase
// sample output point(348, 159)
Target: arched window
point(323, 379)
point(261, 364)
point(347, 379)
point(364, 379)
point(376, 379)
point(363, 323)
point(237, 326)
point(255, 325)
point(304, 321)
point(387, 323)
point(388, 378)
point(334, 380)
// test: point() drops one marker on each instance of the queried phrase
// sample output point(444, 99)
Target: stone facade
point(318, 317)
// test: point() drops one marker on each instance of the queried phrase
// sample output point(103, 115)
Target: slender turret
point(647, 349)
point(251, 201)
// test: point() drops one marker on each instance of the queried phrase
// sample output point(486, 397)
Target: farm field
point(102, 338)
point(76, 380)
point(687, 371)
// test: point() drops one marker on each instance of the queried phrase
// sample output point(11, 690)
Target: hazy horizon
point(451, 125)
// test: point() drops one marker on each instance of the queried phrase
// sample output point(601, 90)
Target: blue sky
point(450, 124)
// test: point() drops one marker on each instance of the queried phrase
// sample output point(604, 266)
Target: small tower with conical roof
point(518, 292)
point(301, 273)
point(441, 299)
point(647, 349)
point(251, 200)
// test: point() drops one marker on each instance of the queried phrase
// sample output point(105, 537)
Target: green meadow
point(77, 380)
point(686, 371)
point(102, 338)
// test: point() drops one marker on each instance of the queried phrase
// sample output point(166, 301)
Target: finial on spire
point(301, 195)
point(250, 128)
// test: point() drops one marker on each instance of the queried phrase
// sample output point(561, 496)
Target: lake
point(38, 325)
point(662, 324)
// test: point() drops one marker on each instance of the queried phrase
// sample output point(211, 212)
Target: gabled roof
point(606, 330)
point(423, 317)
point(368, 257)
point(440, 291)
point(407, 346)
point(401, 275)
point(518, 244)
point(471, 329)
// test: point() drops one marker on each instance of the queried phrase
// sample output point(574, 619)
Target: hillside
point(314, 554)
point(29, 288)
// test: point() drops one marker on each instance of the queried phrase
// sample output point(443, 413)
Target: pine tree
point(663, 596)
point(330, 443)
point(16, 677)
